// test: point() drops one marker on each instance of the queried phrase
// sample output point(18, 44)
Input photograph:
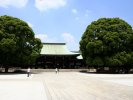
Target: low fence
point(46, 70)
point(53, 70)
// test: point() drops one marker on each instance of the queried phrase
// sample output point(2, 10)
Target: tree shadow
point(108, 72)
point(13, 72)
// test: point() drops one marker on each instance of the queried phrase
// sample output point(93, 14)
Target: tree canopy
point(108, 42)
point(18, 45)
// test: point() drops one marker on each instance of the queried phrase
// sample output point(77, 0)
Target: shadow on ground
point(13, 72)
point(87, 72)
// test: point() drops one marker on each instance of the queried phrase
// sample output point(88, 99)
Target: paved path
point(66, 86)
point(78, 86)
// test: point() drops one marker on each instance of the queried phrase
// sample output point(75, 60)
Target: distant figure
point(28, 72)
point(56, 70)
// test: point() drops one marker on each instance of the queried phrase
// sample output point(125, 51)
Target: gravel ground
point(21, 87)
point(124, 79)
point(81, 86)
point(66, 86)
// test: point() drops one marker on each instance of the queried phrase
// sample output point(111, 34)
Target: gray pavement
point(66, 86)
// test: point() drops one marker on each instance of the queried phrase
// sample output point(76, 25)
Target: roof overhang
point(58, 49)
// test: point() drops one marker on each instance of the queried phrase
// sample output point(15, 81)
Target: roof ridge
point(54, 43)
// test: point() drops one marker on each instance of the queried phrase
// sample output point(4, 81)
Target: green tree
point(106, 42)
point(18, 45)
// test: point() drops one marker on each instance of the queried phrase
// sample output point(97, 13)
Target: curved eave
point(57, 49)
point(60, 54)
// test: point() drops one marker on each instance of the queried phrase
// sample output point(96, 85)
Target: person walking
point(56, 70)
point(28, 72)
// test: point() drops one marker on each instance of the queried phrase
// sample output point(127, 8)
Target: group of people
point(29, 71)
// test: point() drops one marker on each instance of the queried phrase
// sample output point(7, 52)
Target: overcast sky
point(65, 20)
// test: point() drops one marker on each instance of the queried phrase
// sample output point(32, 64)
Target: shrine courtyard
point(66, 86)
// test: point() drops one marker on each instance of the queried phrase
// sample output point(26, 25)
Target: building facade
point(56, 55)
